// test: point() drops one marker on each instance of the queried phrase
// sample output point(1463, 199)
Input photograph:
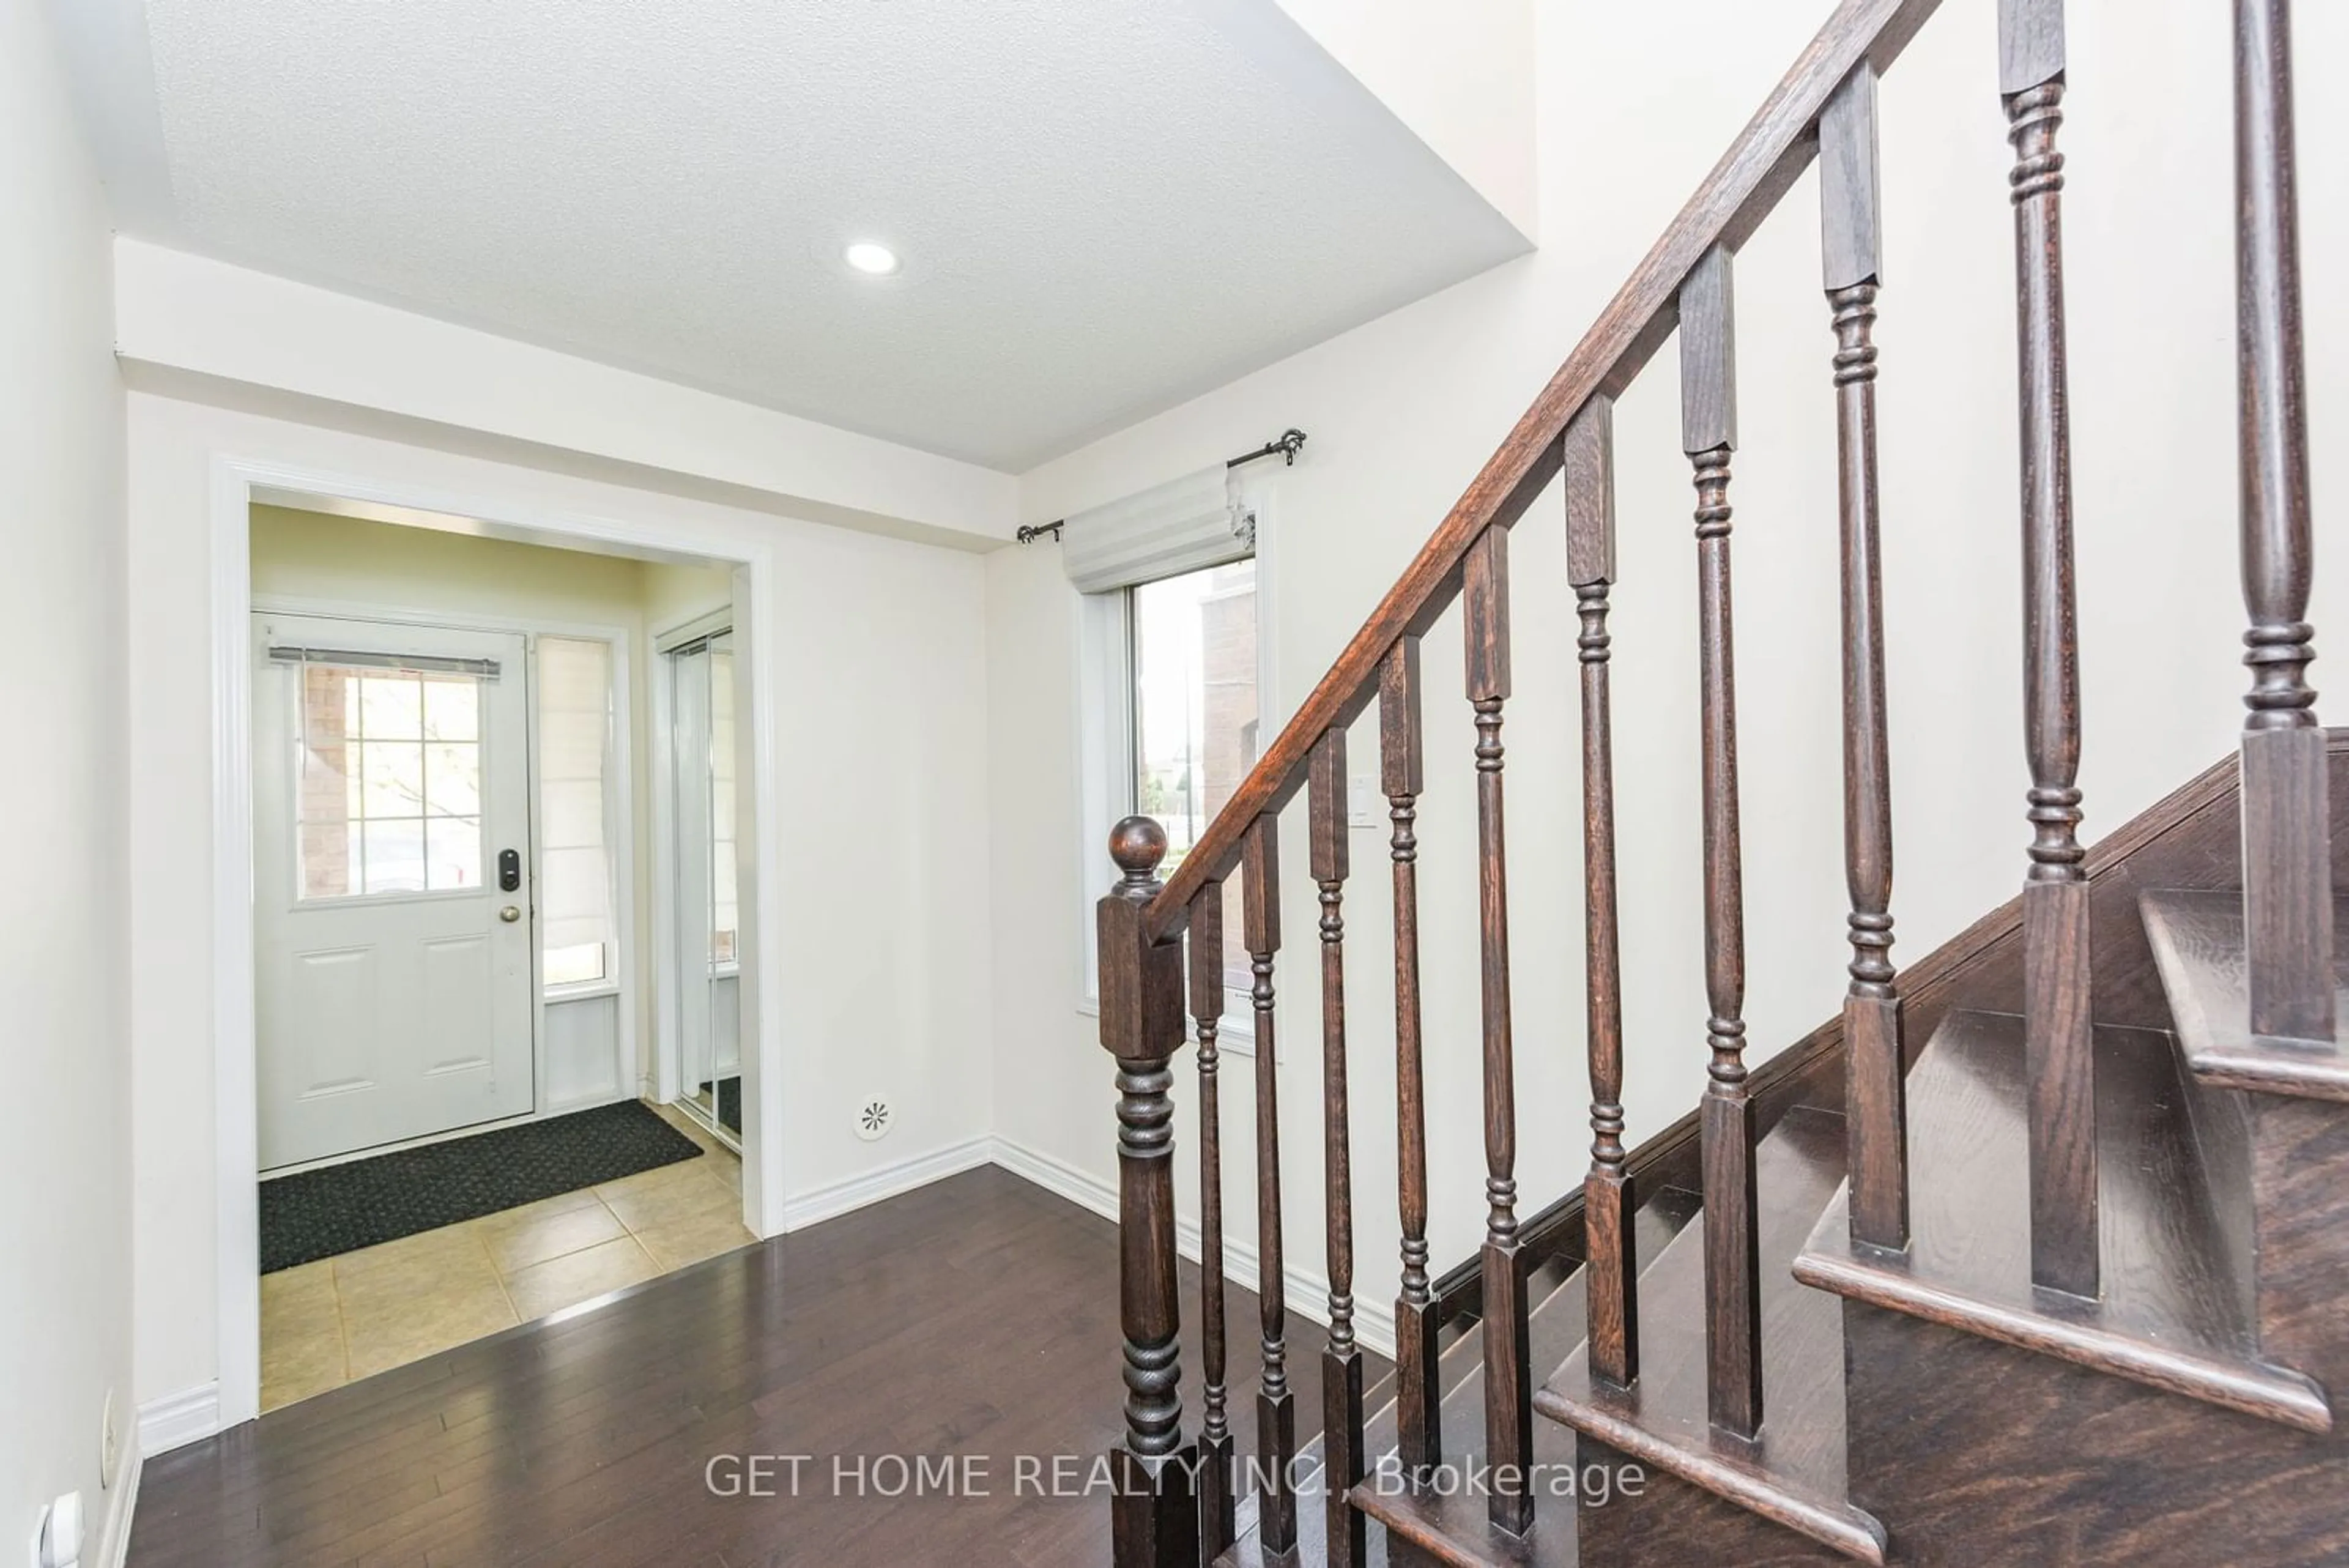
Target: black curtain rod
point(1290, 442)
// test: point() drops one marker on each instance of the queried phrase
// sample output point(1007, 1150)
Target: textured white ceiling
point(1104, 206)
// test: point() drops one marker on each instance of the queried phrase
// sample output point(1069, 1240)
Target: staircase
point(2029, 1256)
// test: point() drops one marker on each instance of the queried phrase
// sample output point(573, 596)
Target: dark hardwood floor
point(976, 1317)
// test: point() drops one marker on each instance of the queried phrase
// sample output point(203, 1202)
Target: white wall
point(879, 718)
point(1402, 412)
point(1460, 75)
point(925, 712)
point(65, 1166)
point(184, 321)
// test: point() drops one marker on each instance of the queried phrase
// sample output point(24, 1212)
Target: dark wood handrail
point(1683, 290)
point(1743, 188)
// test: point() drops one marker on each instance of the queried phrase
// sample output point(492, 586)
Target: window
point(575, 744)
point(1173, 681)
point(390, 790)
point(1195, 713)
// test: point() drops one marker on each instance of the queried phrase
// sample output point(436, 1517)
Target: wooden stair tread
point(2171, 1314)
point(2197, 944)
point(1456, 1531)
point(1454, 1528)
point(1794, 1472)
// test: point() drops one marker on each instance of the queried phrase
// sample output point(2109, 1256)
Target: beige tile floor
point(329, 1323)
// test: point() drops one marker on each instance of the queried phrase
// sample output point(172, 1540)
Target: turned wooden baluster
point(1419, 1417)
point(1612, 1273)
point(1876, 1100)
point(1732, 1265)
point(1276, 1405)
point(2287, 844)
point(1341, 1362)
point(1508, 1387)
point(1154, 1520)
point(2058, 1061)
point(1217, 1511)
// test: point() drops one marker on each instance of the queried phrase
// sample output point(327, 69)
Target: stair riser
point(2300, 1164)
point(2173, 1311)
point(2222, 1123)
point(1976, 1452)
point(1672, 1525)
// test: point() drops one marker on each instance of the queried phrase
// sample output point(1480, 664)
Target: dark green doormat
point(342, 1208)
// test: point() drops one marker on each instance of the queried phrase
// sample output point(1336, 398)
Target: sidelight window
point(574, 750)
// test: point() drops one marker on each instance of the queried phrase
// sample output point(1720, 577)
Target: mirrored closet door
point(707, 960)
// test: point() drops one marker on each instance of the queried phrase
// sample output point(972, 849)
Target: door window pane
point(395, 855)
point(391, 707)
point(391, 776)
point(367, 782)
point(1195, 713)
point(330, 859)
point(452, 852)
point(325, 791)
point(452, 709)
point(453, 779)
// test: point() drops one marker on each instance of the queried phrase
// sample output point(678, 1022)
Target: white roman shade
point(575, 894)
point(1184, 525)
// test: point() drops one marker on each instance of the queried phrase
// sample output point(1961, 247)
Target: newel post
point(1155, 1519)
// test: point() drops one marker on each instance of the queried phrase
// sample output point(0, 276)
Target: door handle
point(510, 914)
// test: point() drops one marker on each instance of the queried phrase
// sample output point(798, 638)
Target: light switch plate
point(1362, 801)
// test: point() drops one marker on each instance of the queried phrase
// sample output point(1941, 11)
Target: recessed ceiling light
point(874, 260)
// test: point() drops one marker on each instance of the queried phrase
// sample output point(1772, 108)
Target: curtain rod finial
point(1289, 441)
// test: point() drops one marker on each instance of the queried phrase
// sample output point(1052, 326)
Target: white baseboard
point(588, 1101)
point(1058, 1176)
point(1308, 1291)
point(122, 1501)
point(176, 1420)
point(837, 1198)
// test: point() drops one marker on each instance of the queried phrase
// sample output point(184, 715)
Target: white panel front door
point(390, 781)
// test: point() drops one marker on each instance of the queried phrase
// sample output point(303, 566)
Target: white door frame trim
point(234, 479)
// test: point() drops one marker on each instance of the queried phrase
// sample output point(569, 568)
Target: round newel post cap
point(1138, 844)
